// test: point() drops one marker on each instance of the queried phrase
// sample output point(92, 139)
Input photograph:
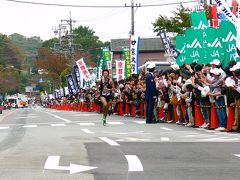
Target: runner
point(105, 86)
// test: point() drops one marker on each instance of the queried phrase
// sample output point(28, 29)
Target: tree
point(179, 22)
point(51, 65)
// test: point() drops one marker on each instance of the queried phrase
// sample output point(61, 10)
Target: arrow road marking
point(109, 141)
point(134, 164)
point(238, 155)
point(52, 163)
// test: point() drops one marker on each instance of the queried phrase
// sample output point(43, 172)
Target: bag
point(174, 100)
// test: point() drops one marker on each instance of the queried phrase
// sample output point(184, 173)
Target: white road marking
point(87, 131)
point(58, 117)
point(26, 117)
point(30, 126)
point(76, 115)
point(109, 141)
point(165, 139)
point(54, 125)
point(167, 129)
point(86, 124)
point(4, 127)
point(115, 123)
point(140, 122)
point(52, 163)
point(134, 164)
point(220, 139)
point(238, 155)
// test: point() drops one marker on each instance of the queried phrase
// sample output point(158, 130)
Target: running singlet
point(103, 88)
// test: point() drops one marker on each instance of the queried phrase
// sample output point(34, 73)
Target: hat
point(230, 82)
point(189, 81)
point(215, 71)
point(235, 67)
point(204, 91)
point(215, 62)
point(175, 67)
point(150, 65)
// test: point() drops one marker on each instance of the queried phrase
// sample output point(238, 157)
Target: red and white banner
point(83, 69)
point(120, 70)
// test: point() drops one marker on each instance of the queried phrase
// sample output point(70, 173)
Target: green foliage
point(179, 22)
point(50, 43)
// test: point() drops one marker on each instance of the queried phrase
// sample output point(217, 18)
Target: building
point(150, 49)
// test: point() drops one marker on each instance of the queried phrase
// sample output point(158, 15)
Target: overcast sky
point(108, 23)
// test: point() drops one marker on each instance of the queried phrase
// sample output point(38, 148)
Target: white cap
point(215, 71)
point(150, 65)
point(235, 67)
point(175, 67)
point(215, 62)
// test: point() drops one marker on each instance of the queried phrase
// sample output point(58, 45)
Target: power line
point(99, 6)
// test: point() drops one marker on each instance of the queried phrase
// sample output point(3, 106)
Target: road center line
point(134, 164)
point(109, 141)
point(87, 131)
point(58, 117)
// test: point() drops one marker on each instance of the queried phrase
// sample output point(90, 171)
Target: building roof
point(146, 44)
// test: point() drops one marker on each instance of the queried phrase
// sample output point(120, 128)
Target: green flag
point(199, 20)
point(126, 57)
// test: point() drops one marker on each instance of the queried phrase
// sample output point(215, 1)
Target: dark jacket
point(151, 90)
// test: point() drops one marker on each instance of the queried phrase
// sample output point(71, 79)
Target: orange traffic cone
point(230, 119)
point(133, 110)
point(214, 119)
point(198, 115)
point(161, 113)
point(121, 112)
point(176, 119)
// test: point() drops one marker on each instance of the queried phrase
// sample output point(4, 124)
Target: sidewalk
point(6, 113)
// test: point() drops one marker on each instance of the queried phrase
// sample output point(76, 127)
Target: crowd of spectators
point(180, 90)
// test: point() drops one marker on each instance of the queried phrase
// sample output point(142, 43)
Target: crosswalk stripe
point(115, 123)
point(54, 125)
point(87, 131)
point(86, 124)
point(4, 127)
point(109, 141)
point(30, 126)
point(167, 129)
point(165, 139)
point(140, 122)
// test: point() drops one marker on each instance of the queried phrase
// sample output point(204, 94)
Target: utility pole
point(66, 37)
point(132, 32)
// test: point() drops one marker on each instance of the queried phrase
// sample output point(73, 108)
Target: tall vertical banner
point(99, 68)
point(126, 57)
point(107, 60)
point(134, 53)
point(169, 49)
point(77, 76)
point(71, 85)
point(83, 69)
point(120, 70)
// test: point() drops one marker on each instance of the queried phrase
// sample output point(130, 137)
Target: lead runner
point(106, 87)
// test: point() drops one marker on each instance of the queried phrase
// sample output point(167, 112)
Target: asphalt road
point(38, 143)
